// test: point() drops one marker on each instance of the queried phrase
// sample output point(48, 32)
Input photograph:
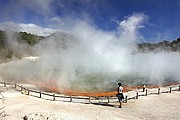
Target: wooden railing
point(135, 94)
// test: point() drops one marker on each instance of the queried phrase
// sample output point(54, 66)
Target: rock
point(42, 116)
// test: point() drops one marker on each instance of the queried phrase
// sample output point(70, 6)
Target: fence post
point(53, 97)
point(70, 98)
point(108, 99)
point(137, 95)
point(28, 91)
point(126, 99)
point(40, 94)
point(179, 87)
point(15, 85)
point(170, 89)
point(89, 100)
point(4, 84)
point(146, 92)
point(158, 91)
point(21, 87)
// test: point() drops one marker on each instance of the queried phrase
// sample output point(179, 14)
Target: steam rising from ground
point(87, 58)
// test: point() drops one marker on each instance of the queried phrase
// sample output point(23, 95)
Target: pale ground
point(165, 106)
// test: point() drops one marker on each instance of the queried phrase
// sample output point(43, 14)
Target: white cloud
point(29, 28)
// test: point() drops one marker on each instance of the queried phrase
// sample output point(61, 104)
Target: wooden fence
point(135, 94)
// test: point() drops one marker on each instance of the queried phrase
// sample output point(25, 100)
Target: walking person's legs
point(120, 101)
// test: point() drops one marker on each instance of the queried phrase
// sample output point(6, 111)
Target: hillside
point(161, 46)
point(13, 44)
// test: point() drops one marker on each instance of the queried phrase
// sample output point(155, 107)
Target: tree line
point(173, 46)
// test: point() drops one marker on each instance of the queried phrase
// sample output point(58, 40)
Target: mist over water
point(89, 59)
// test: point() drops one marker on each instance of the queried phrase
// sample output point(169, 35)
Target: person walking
point(120, 94)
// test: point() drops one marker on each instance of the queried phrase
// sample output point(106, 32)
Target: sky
point(44, 17)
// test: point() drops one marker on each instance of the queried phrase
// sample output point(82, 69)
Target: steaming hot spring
point(34, 70)
point(89, 62)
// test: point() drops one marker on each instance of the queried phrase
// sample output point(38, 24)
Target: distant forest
point(29, 40)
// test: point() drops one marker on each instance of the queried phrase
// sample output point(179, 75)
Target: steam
point(89, 59)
